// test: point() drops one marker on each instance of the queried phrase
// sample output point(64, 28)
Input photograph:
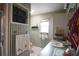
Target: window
point(44, 26)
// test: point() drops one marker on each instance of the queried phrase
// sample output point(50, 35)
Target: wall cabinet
point(20, 15)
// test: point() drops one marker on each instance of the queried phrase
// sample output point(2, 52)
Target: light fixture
point(32, 11)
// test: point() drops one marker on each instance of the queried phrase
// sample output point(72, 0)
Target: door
point(1, 29)
point(1, 40)
point(0, 37)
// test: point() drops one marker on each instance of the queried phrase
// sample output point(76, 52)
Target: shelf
point(35, 27)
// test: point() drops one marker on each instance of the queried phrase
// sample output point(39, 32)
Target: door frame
point(1, 34)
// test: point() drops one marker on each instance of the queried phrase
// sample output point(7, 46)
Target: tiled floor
point(35, 51)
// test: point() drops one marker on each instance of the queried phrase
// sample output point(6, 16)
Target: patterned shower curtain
point(73, 34)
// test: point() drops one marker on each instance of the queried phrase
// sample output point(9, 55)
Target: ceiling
point(38, 8)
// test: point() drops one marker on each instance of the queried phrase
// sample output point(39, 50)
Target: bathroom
point(31, 31)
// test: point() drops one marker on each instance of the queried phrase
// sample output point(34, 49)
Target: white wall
point(35, 20)
point(61, 21)
point(55, 19)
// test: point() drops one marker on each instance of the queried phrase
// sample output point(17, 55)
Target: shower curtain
point(73, 33)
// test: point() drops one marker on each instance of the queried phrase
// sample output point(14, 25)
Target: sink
point(57, 44)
